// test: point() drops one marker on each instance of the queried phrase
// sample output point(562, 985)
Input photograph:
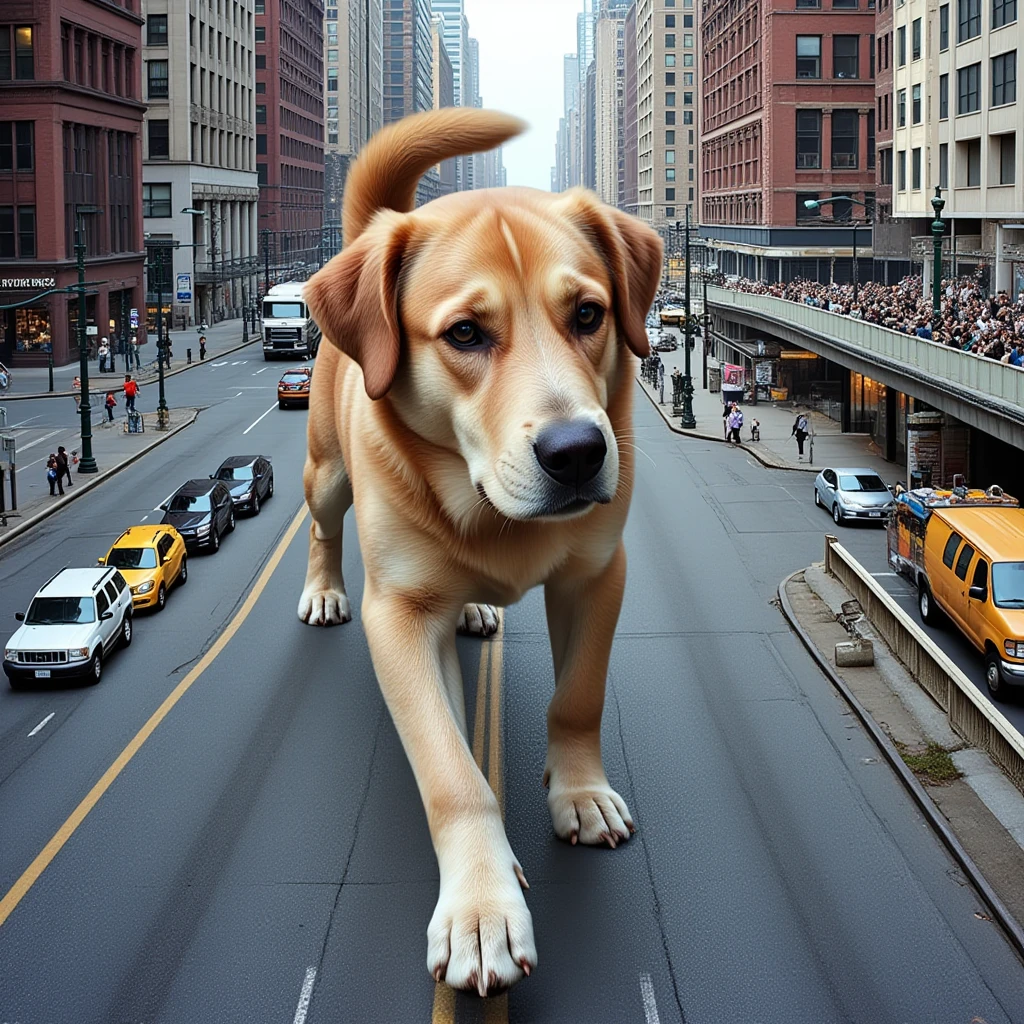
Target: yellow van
point(974, 572)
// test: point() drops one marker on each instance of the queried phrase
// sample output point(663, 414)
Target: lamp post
point(245, 315)
point(266, 260)
point(158, 254)
point(817, 204)
point(938, 230)
point(688, 421)
point(87, 463)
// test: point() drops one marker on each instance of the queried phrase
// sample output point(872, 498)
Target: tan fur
point(416, 432)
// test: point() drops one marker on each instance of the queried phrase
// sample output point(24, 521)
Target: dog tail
point(385, 175)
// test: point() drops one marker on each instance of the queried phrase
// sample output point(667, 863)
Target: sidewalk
point(112, 448)
point(33, 382)
point(777, 447)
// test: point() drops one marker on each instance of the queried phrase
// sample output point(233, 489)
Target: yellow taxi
point(151, 559)
point(293, 387)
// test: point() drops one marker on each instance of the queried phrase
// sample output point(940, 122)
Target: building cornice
point(117, 9)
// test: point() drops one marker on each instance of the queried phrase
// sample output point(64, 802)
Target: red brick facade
point(70, 134)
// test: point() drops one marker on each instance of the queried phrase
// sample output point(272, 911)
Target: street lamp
point(195, 213)
point(87, 463)
point(817, 204)
point(688, 420)
point(159, 248)
point(938, 230)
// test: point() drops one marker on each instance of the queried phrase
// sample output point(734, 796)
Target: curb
point(87, 486)
point(142, 384)
point(721, 440)
point(1011, 928)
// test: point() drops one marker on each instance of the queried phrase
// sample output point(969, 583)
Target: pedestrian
point(799, 431)
point(735, 423)
point(726, 411)
point(131, 389)
point(104, 352)
point(76, 387)
point(63, 465)
point(202, 347)
point(133, 354)
point(109, 404)
point(53, 475)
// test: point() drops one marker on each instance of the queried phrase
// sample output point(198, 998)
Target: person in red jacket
point(131, 389)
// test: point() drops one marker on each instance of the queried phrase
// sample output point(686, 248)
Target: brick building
point(788, 115)
point(290, 134)
point(70, 136)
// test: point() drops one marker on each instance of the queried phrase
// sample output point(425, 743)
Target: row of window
point(1003, 164)
point(845, 57)
point(837, 5)
point(968, 99)
point(17, 53)
point(17, 146)
point(845, 139)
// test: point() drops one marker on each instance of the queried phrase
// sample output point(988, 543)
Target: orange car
point(293, 387)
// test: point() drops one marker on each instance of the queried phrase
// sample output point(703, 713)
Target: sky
point(522, 43)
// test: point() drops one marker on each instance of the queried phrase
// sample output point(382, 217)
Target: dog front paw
point(479, 620)
point(320, 606)
point(594, 815)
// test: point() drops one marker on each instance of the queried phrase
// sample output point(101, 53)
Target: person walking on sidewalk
point(799, 431)
point(53, 475)
point(131, 389)
point(202, 347)
point(76, 387)
point(735, 423)
point(133, 353)
point(109, 404)
point(63, 465)
point(104, 352)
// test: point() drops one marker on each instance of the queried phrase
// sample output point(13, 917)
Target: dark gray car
point(249, 478)
point(202, 512)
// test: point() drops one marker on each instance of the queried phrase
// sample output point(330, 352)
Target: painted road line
point(650, 1003)
point(40, 440)
point(885, 574)
point(42, 724)
point(31, 874)
point(239, 395)
point(264, 370)
point(225, 363)
point(304, 996)
point(158, 507)
point(21, 423)
point(144, 518)
point(251, 425)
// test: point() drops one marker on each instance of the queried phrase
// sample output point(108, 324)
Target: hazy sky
point(521, 47)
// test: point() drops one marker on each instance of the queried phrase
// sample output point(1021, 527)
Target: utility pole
point(87, 463)
point(938, 229)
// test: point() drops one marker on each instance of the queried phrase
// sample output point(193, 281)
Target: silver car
point(853, 494)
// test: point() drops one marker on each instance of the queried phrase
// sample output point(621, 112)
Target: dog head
point(496, 324)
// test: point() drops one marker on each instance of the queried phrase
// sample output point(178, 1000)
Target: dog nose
point(571, 451)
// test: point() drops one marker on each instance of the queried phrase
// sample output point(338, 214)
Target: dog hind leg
point(329, 496)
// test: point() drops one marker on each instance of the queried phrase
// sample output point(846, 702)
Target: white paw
point(478, 620)
point(320, 607)
point(480, 938)
point(593, 815)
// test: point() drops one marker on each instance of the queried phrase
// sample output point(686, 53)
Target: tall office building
point(352, 94)
point(609, 104)
point(791, 121)
point(200, 81)
point(456, 42)
point(630, 146)
point(570, 79)
point(290, 134)
point(444, 96)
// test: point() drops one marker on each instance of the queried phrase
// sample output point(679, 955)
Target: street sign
point(184, 288)
point(92, 330)
point(133, 319)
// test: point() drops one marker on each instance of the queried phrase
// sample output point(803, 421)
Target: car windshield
point(865, 482)
point(283, 310)
point(234, 473)
point(60, 611)
point(294, 378)
point(1008, 584)
point(190, 503)
point(132, 558)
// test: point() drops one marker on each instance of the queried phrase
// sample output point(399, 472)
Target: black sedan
point(202, 512)
point(249, 478)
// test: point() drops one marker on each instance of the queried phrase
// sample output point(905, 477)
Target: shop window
point(156, 200)
point(32, 330)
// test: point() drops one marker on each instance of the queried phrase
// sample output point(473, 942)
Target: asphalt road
point(264, 857)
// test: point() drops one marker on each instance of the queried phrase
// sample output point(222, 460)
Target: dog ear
point(354, 299)
point(633, 254)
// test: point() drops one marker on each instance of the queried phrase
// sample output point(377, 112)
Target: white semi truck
point(288, 328)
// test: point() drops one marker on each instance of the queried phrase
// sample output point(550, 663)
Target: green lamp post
point(817, 204)
point(938, 230)
point(688, 420)
point(87, 463)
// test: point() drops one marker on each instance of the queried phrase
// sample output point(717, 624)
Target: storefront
point(26, 331)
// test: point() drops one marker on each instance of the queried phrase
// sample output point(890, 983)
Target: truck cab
point(289, 331)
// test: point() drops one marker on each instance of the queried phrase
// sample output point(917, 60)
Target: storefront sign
point(28, 282)
point(133, 319)
point(732, 376)
point(184, 287)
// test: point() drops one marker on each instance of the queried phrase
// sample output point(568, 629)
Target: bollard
point(188, 354)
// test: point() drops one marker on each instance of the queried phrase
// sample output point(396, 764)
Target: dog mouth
point(556, 506)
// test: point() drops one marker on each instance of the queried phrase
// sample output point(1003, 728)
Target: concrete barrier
point(971, 714)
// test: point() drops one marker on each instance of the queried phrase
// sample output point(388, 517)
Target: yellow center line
point(43, 860)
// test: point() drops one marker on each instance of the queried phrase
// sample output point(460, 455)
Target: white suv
point(77, 617)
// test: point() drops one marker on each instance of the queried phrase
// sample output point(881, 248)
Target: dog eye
point(589, 317)
point(464, 335)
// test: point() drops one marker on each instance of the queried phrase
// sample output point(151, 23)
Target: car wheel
point(126, 631)
point(994, 676)
point(183, 572)
point(96, 668)
point(215, 539)
point(817, 500)
point(255, 503)
point(926, 605)
point(837, 515)
point(270, 487)
point(231, 519)
point(161, 598)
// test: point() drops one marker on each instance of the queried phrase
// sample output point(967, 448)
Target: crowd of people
point(973, 321)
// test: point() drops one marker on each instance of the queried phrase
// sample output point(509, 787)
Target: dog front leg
point(582, 616)
point(481, 933)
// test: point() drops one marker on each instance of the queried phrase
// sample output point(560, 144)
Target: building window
point(670, 138)
point(808, 139)
point(159, 140)
point(844, 5)
point(968, 19)
point(687, 60)
point(915, 104)
point(261, 113)
point(944, 165)
point(901, 170)
point(156, 75)
point(871, 139)
point(670, 60)
point(802, 212)
point(968, 82)
point(670, 40)
point(20, 243)
point(901, 108)
point(808, 56)
point(261, 34)
point(915, 39)
point(687, 117)
point(261, 61)
point(846, 56)
point(807, 4)
point(670, 77)
point(261, 174)
point(156, 200)
point(27, 231)
point(687, 21)
point(1004, 78)
point(17, 145)
point(687, 78)
point(8, 247)
point(156, 30)
point(943, 97)
point(670, 21)
point(915, 169)
point(670, 117)
point(670, 99)
point(845, 138)
point(260, 7)
point(261, 144)
point(944, 27)
point(261, 87)
point(332, 79)
point(670, 195)
point(901, 45)
point(17, 59)
point(670, 174)
point(688, 41)
point(687, 99)
point(670, 156)
point(1003, 12)
point(670, 211)
point(1007, 160)
point(971, 163)
point(871, 56)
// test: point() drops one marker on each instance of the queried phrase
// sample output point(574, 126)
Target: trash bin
point(714, 379)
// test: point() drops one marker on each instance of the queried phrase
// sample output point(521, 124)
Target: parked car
point(152, 559)
point(76, 619)
point(666, 343)
point(853, 494)
point(293, 387)
point(249, 479)
point(202, 512)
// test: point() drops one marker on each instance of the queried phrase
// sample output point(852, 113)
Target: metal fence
point(971, 714)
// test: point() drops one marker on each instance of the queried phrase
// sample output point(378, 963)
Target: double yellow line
point(486, 732)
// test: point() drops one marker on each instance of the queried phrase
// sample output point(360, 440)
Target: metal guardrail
point(993, 382)
point(971, 714)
